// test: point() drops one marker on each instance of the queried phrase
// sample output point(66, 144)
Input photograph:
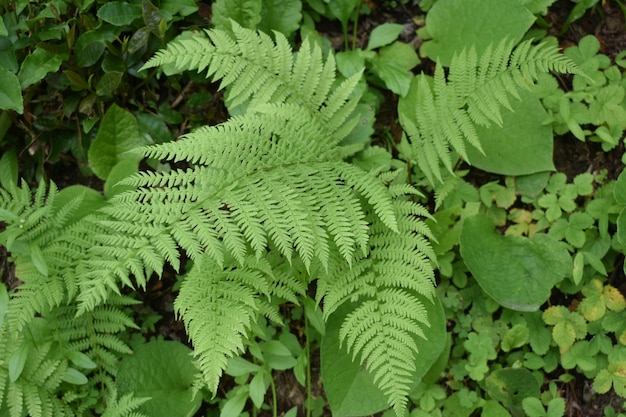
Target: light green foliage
point(613, 376)
point(599, 298)
point(534, 408)
point(481, 349)
point(441, 117)
point(568, 326)
point(274, 178)
point(597, 99)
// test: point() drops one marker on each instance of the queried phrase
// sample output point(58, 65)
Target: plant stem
point(307, 352)
point(274, 400)
point(5, 124)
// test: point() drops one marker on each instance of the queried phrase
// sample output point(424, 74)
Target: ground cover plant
point(227, 210)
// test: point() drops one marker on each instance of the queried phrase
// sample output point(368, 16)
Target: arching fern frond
point(218, 307)
point(388, 286)
point(447, 109)
point(259, 71)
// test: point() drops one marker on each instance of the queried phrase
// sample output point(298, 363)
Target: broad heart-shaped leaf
point(458, 24)
point(351, 391)
point(164, 371)
point(521, 146)
point(517, 272)
point(118, 133)
point(10, 91)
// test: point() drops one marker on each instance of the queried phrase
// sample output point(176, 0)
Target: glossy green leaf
point(90, 46)
point(343, 9)
point(164, 371)
point(350, 390)
point(119, 13)
point(400, 52)
point(517, 272)
point(38, 259)
point(81, 360)
point(37, 65)
point(8, 169)
point(258, 389)
point(3, 28)
point(455, 25)
point(17, 362)
point(521, 146)
point(233, 406)
point(384, 35)
point(118, 133)
point(396, 77)
point(74, 377)
point(10, 91)
point(123, 169)
point(152, 18)
point(179, 7)
point(109, 83)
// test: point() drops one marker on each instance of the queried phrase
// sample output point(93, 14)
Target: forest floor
point(571, 156)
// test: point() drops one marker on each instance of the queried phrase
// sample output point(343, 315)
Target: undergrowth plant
point(261, 209)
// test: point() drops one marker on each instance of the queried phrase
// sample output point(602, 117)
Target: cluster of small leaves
point(88, 54)
point(595, 109)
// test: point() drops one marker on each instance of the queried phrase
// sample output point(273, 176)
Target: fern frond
point(260, 71)
point(474, 92)
point(124, 406)
point(389, 286)
point(218, 307)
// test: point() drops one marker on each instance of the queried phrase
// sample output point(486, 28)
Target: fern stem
point(355, 26)
point(307, 352)
point(274, 399)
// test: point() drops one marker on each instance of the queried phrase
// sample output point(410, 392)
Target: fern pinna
point(475, 90)
point(53, 362)
point(268, 189)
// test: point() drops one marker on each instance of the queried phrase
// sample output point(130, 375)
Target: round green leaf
point(517, 272)
point(521, 146)
point(164, 371)
point(458, 24)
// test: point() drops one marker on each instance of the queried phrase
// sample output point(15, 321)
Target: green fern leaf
point(474, 93)
point(218, 307)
